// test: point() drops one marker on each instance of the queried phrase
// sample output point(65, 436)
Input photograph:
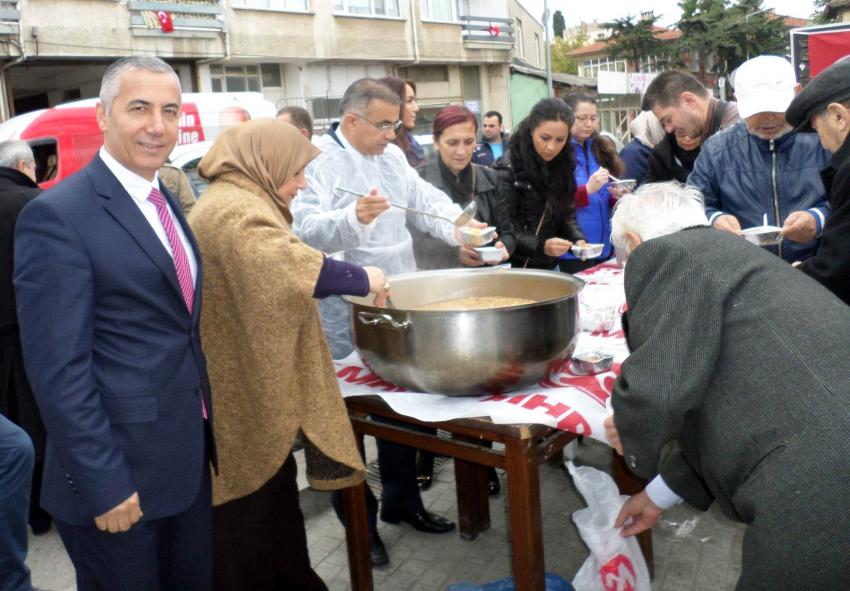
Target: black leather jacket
point(432, 253)
point(526, 208)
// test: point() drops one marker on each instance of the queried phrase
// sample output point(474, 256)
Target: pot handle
point(373, 319)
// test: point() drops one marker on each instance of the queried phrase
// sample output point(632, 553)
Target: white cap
point(764, 84)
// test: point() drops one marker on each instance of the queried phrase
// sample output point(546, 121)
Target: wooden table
point(525, 448)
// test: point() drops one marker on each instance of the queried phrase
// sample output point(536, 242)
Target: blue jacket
point(483, 154)
point(595, 218)
point(635, 155)
point(747, 177)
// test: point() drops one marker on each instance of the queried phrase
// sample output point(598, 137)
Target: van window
point(46, 159)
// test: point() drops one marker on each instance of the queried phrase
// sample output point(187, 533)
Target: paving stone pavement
point(694, 551)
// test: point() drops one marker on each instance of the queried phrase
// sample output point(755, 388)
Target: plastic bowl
point(592, 362)
point(587, 251)
point(477, 236)
point(763, 235)
point(490, 254)
point(624, 185)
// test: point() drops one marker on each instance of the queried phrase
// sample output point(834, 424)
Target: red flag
point(494, 30)
point(165, 21)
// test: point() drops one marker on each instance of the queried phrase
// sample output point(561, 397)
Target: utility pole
point(548, 48)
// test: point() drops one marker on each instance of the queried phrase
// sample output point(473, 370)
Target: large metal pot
point(469, 352)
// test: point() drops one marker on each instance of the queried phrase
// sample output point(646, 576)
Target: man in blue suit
point(107, 278)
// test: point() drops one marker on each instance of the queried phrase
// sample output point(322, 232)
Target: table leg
point(525, 515)
point(630, 484)
point(357, 537)
point(473, 503)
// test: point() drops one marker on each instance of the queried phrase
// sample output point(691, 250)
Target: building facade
point(303, 52)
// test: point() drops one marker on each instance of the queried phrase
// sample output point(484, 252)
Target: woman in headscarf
point(270, 369)
point(404, 139)
point(536, 179)
point(596, 157)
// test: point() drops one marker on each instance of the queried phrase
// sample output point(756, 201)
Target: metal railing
point(186, 15)
point(485, 28)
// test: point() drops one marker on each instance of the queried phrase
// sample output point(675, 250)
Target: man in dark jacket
point(825, 104)
point(493, 142)
point(760, 167)
point(736, 390)
point(17, 403)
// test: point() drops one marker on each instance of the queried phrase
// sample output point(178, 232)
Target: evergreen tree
point(558, 24)
point(634, 39)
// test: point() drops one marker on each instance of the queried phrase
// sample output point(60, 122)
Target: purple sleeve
point(341, 278)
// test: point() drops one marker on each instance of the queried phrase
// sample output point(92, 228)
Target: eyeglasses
point(586, 118)
point(383, 128)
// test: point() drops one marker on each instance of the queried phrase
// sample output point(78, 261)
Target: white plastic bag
point(615, 563)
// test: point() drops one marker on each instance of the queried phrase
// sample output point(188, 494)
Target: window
point(235, 78)
point(294, 5)
point(590, 68)
point(537, 47)
point(520, 42)
point(270, 75)
point(367, 7)
point(439, 10)
point(425, 73)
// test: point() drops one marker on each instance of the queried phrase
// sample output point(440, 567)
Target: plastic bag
point(553, 583)
point(615, 563)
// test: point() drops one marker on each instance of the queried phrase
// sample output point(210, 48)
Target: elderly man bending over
point(736, 390)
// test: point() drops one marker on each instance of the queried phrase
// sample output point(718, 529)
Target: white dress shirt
point(139, 189)
point(661, 494)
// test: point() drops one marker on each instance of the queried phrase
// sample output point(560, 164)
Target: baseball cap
point(764, 84)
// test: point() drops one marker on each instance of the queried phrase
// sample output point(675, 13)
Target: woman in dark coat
point(536, 180)
point(452, 171)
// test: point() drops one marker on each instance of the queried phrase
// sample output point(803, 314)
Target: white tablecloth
point(564, 400)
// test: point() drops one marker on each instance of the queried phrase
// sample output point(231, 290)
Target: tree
point(720, 36)
point(819, 15)
point(635, 40)
point(558, 24)
point(561, 60)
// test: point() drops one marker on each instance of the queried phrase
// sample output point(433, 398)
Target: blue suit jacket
point(113, 355)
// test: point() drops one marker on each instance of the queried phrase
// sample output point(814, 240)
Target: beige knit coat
point(270, 369)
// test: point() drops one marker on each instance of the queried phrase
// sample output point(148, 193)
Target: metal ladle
point(467, 214)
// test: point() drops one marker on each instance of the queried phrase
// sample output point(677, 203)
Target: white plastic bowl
point(477, 236)
point(490, 254)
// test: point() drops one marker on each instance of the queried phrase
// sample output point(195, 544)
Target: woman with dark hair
point(406, 91)
point(536, 181)
point(452, 171)
point(596, 157)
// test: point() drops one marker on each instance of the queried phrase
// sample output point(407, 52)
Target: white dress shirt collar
point(139, 188)
point(350, 148)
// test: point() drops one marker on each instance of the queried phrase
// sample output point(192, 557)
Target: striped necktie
point(181, 261)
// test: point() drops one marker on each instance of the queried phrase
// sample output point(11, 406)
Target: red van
point(64, 138)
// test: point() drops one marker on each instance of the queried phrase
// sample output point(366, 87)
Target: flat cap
point(832, 85)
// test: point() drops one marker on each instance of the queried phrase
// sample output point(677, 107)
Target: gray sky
point(604, 10)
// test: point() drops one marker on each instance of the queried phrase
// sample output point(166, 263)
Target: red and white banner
point(564, 400)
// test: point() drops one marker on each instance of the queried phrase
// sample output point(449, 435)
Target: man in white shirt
point(736, 390)
point(345, 209)
point(108, 283)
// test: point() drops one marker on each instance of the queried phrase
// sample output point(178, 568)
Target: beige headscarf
point(267, 151)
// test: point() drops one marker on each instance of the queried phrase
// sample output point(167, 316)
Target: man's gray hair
point(362, 92)
point(656, 209)
point(13, 151)
point(111, 81)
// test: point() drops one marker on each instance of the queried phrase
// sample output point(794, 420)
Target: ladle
point(467, 214)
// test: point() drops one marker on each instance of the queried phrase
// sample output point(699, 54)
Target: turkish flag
point(494, 30)
point(165, 22)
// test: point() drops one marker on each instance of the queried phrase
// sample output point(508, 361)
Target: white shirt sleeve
point(660, 494)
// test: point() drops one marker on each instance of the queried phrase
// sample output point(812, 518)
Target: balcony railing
point(487, 29)
point(10, 17)
point(187, 16)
